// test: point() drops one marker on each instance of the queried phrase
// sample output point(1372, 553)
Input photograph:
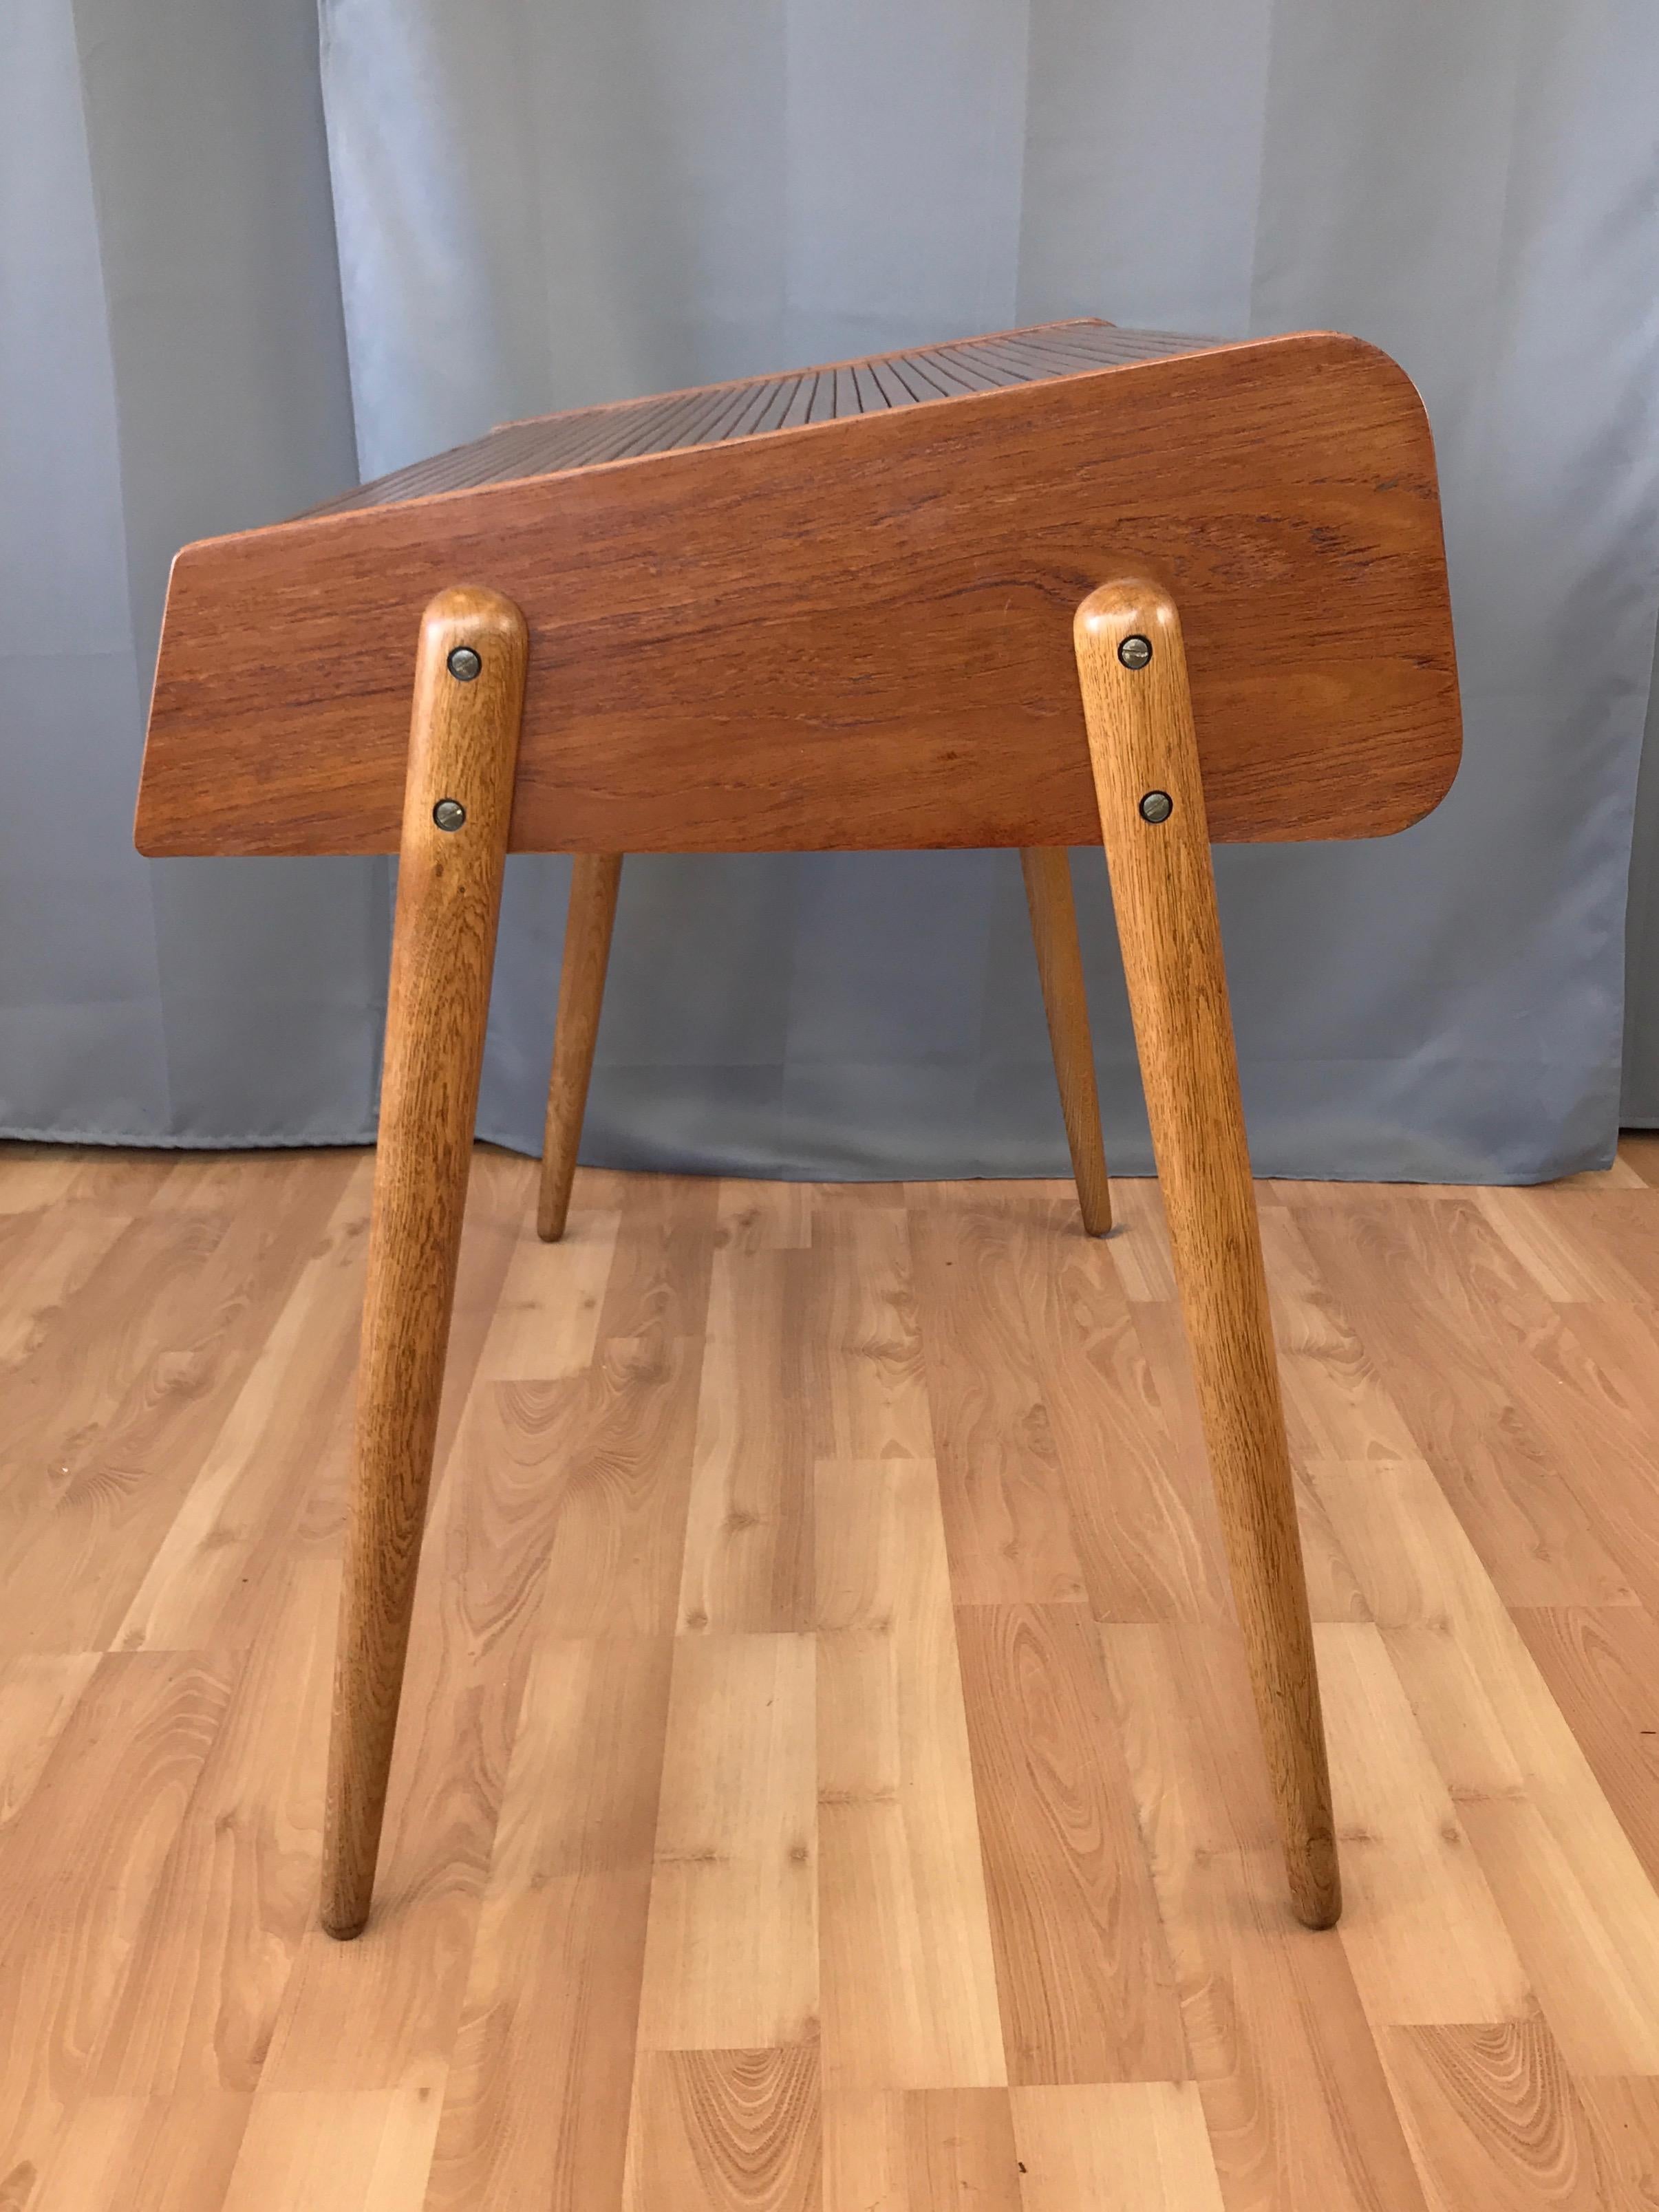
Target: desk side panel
point(857, 634)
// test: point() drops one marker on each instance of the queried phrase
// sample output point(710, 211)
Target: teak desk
point(1028, 590)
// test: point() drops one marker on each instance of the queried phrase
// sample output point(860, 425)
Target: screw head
point(449, 814)
point(463, 664)
point(1135, 652)
point(1157, 806)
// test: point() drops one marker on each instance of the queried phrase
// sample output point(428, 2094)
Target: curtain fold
point(1639, 1102)
point(240, 259)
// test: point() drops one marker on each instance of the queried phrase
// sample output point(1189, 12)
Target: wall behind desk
point(242, 261)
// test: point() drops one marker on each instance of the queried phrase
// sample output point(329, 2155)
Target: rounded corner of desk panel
point(273, 729)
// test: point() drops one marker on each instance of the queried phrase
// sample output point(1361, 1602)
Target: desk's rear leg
point(1151, 811)
point(594, 878)
point(1047, 873)
point(469, 690)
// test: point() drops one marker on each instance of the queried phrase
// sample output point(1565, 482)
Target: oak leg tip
point(343, 1908)
point(1316, 1899)
point(1319, 1918)
point(552, 1206)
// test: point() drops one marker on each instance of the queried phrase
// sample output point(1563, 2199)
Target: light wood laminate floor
point(827, 1777)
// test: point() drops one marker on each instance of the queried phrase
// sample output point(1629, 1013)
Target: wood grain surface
point(855, 632)
point(595, 878)
point(1048, 875)
point(1038, 1830)
point(463, 743)
point(1145, 753)
point(751, 407)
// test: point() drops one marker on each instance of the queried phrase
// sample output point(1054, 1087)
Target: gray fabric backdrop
point(239, 259)
point(1640, 1083)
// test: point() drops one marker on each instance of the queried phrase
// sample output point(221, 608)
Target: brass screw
point(463, 664)
point(1157, 806)
point(1135, 652)
point(449, 813)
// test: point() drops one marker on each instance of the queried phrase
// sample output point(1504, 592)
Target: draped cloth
point(245, 256)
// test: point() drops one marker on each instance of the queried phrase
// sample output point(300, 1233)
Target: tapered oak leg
point(462, 748)
point(593, 880)
point(1141, 742)
point(1047, 871)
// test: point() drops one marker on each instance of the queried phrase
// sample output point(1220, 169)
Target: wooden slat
point(211, 1964)
point(1505, 1751)
point(1008, 1515)
point(725, 2132)
point(748, 1560)
point(1391, 1267)
point(237, 1516)
point(1569, 1378)
point(38, 1695)
point(1295, 2099)
point(1337, 1400)
point(1552, 1233)
point(909, 1982)
point(765, 1217)
point(78, 1868)
point(334, 2151)
point(612, 1446)
point(548, 1323)
point(913, 2150)
point(118, 1433)
point(1596, 1995)
point(1142, 1256)
point(867, 1386)
point(731, 1958)
point(1084, 1974)
point(1130, 1457)
point(585, 437)
point(145, 2154)
point(1425, 1937)
point(1494, 2118)
point(1134, 2146)
point(50, 1246)
point(1602, 1668)
point(537, 2098)
point(1623, 2113)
